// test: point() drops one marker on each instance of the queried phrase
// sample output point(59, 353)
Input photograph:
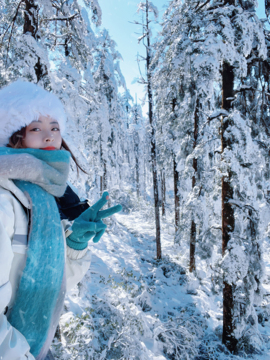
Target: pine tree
point(107, 77)
point(196, 39)
point(148, 7)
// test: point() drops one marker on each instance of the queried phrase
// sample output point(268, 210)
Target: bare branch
point(206, 142)
point(143, 58)
point(13, 20)
point(13, 23)
point(241, 206)
point(196, 7)
point(136, 23)
point(207, 2)
point(142, 80)
point(60, 36)
point(63, 18)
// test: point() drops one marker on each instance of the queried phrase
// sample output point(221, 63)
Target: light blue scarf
point(40, 295)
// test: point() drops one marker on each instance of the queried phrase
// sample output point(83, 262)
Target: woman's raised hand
point(89, 225)
point(93, 213)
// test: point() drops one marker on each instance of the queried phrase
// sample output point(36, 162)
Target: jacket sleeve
point(77, 261)
point(13, 345)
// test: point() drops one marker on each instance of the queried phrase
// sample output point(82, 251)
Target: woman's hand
point(89, 225)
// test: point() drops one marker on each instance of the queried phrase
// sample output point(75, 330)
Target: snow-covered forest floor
point(130, 306)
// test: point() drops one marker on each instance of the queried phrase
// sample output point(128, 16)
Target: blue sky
point(117, 17)
point(260, 10)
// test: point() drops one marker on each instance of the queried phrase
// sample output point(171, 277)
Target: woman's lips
point(49, 148)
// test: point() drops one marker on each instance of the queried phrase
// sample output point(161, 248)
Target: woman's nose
point(49, 138)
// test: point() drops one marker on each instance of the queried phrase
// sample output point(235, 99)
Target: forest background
point(199, 161)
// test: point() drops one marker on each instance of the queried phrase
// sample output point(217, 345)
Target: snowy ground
point(129, 306)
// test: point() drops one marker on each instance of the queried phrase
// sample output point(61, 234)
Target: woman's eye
point(55, 129)
point(35, 129)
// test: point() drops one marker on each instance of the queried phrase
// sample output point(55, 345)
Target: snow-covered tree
point(138, 134)
point(147, 8)
point(200, 42)
point(109, 109)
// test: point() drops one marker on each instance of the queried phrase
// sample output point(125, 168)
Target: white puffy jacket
point(13, 245)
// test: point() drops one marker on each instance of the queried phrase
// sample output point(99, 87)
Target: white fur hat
point(22, 102)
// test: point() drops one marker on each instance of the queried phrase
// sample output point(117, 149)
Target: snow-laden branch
point(151, 8)
point(96, 11)
point(217, 114)
point(142, 37)
point(62, 18)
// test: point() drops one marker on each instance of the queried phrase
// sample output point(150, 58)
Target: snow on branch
point(241, 205)
point(141, 37)
point(151, 7)
point(63, 18)
point(217, 114)
point(96, 10)
point(122, 81)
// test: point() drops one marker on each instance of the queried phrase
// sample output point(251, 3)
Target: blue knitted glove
point(89, 225)
point(82, 231)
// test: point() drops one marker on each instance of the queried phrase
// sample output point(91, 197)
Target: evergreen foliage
point(196, 39)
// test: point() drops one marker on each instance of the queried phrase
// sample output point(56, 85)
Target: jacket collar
point(10, 186)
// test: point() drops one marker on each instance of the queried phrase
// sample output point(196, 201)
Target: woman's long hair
point(15, 142)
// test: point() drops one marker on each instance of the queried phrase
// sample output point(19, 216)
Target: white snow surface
point(130, 306)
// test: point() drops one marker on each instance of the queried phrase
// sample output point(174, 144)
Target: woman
point(41, 253)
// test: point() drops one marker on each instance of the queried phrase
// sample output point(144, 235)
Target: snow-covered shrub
point(212, 349)
point(176, 340)
point(102, 332)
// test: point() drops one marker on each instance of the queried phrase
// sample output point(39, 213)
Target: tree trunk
point(137, 170)
point(31, 18)
point(101, 185)
point(176, 196)
point(153, 141)
point(176, 184)
point(144, 175)
point(105, 185)
point(103, 178)
point(192, 264)
point(228, 221)
point(137, 177)
point(105, 182)
point(163, 191)
point(31, 26)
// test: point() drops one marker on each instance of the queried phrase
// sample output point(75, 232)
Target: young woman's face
point(43, 133)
